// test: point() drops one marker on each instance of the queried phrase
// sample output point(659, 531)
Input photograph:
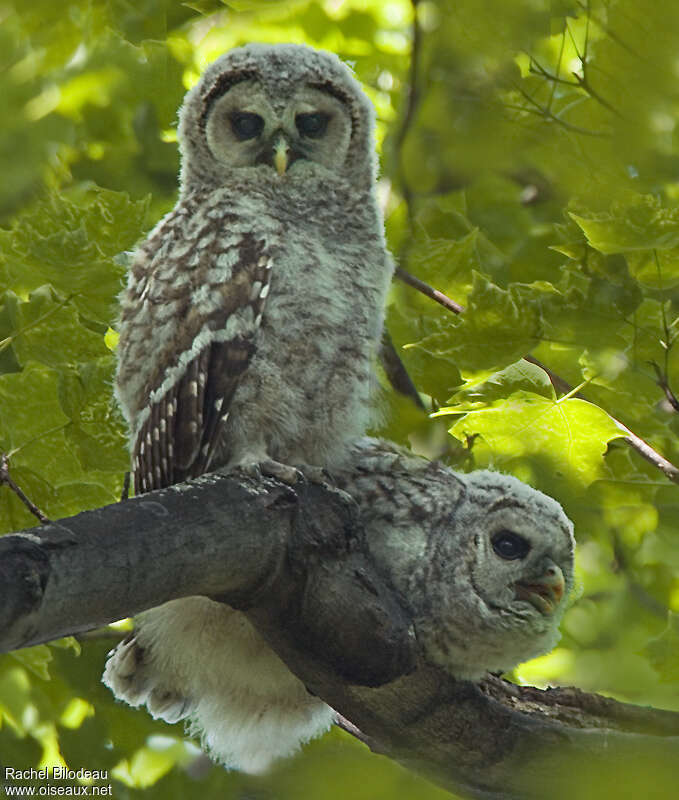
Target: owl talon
point(128, 657)
point(167, 705)
point(125, 673)
point(317, 475)
point(268, 468)
point(281, 472)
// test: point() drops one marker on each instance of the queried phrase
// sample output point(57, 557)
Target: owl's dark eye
point(510, 546)
point(312, 125)
point(246, 125)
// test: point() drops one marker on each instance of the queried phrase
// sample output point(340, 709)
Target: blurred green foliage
point(530, 168)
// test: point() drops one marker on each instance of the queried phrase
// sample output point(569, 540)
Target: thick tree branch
point(296, 562)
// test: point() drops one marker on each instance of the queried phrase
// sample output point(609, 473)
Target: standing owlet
point(249, 327)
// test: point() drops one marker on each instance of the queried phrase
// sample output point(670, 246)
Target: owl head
point(483, 562)
point(281, 112)
point(509, 567)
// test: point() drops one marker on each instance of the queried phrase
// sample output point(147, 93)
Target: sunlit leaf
point(571, 435)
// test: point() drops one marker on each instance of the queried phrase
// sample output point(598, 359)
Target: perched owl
point(248, 331)
point(254, 308)
point(483, 563)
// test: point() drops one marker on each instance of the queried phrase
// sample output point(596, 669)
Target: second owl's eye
point(509, 545)
point(312, 125)
point(246, 125)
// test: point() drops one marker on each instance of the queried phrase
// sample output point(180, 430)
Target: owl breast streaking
point(248, 332)
point(253, 310)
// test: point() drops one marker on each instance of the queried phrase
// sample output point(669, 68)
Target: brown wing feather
point(179, 437)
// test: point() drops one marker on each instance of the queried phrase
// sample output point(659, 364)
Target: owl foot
point(317, 475)
point(269, 468)
point(131, 679)
point(124, 670)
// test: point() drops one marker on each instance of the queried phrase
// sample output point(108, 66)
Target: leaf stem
point(7, 481)
point(9, 339)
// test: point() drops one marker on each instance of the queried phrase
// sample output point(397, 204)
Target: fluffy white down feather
point(202, 661)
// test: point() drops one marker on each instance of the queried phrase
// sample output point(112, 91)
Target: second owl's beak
point(544, 592)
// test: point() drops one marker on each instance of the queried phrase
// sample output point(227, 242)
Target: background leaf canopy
point(530, 171)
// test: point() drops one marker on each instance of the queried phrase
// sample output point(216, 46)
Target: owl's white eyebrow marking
point(221, 86)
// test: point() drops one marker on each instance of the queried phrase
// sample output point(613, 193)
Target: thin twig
point(635, 442)
point(7, 481)
point(549, 116)
point(610, 33)
point(584, 61)
point(663, 383)
point(396, 372)
point(426, 289)
point(581, 81)
point(349, 727)
point(412, 95)
point(646, 451)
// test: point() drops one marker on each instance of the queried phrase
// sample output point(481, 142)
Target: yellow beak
point(280, 156)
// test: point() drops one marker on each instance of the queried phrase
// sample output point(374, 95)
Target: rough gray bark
point(296, 563)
